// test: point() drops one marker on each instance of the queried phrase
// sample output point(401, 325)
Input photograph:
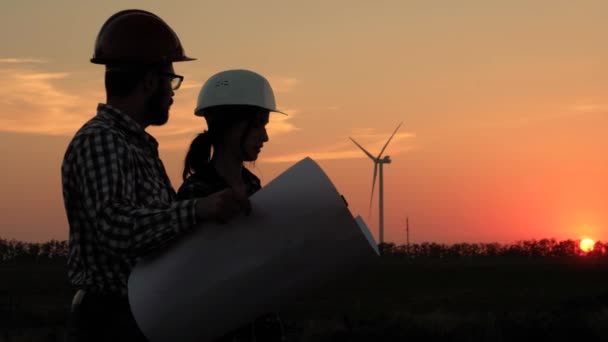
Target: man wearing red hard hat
point(118, 198)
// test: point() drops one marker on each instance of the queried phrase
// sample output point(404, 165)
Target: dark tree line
point(32, 252)
point(527, 248)
point(54, 250)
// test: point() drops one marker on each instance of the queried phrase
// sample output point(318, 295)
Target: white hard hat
point(236, 87)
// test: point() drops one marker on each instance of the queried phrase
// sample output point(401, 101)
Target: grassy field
point(462, 300)
point(392, 299)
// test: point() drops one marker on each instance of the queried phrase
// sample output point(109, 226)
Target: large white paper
point(300, 234)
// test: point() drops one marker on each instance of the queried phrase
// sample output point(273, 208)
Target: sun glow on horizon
point(587, 245)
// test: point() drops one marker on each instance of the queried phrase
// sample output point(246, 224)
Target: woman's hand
point(223, 205)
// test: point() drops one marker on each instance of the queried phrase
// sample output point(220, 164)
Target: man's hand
point(223, 205)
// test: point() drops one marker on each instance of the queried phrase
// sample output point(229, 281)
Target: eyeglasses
point(176, 80)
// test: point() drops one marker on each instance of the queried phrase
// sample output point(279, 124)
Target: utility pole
point(407, 234)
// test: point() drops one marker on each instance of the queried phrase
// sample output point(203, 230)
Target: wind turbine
point(378, 166)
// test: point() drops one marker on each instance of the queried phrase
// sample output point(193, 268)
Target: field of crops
point(392, 299)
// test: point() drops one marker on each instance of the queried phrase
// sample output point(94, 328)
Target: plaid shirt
point(119, 201)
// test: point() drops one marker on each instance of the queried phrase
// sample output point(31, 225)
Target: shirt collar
point(126, 123)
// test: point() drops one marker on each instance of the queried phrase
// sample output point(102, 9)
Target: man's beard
point(157, 113)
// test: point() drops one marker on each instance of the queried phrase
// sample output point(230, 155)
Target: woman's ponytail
point(198, 155)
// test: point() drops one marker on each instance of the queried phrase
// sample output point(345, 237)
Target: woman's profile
point(236, 105)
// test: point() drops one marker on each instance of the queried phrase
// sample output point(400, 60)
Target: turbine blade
point(362, 149)
point(389, 139)
point(373, 186)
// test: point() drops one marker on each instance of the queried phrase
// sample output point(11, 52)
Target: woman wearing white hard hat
point(236, 105)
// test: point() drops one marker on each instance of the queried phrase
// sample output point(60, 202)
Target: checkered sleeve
point(194, 189)
point(124, 226)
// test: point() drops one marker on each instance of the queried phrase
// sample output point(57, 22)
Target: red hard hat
point(137, 37)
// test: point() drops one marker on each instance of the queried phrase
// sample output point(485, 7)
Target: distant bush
point(527, 248)
point(19, 251)
point(54, 250)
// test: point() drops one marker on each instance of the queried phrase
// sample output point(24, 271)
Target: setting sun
point(587, 245)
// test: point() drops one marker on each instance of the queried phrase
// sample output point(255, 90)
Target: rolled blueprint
point(299, 235)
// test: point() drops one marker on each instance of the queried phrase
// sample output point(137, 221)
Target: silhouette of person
point(236, 105)
point(118, 198)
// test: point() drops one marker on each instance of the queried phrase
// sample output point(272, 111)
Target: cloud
point(280, 124)
point(317, 155)
point(567, 112)
point(589, 108)
point(347, 150)
point(38, 101)
point(21, 61)
point(282, 84)
point(187, 84)
point(31, 102)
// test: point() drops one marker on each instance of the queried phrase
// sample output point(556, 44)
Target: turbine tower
point(379, 161)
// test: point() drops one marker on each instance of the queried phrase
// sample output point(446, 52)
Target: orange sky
point(504, 106)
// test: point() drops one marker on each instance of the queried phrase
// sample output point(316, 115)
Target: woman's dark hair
point(219, 121)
